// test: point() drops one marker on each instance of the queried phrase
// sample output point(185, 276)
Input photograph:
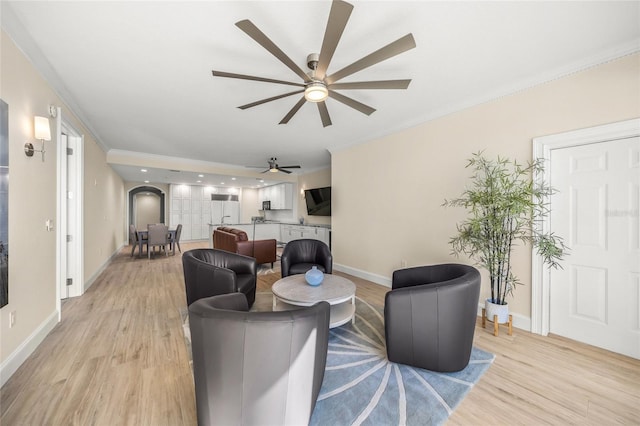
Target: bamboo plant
point(505, 206)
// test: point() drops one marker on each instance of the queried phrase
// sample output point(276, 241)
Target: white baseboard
point(378, 279)
point(20, 355)
point(519, 321)
point(102, 267)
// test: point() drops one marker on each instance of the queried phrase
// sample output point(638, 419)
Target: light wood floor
point(118, 358)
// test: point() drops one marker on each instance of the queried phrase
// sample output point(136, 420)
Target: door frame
point(542, 148)
point(63, 163)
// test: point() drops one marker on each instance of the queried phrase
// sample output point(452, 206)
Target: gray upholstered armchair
point(430, 316)
point(301, 255)
point(209, 272)
point(256, 367)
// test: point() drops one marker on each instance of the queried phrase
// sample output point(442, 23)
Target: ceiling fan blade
point(338, 18)
point(273, 98)
point(264, 41)
point(280, 169)
point(365, 109)
point(265, 171)
point(324, 114)
point(295, 109)
point(289, 167)
point(254, 78)
point(383, 84)
point(390, 50)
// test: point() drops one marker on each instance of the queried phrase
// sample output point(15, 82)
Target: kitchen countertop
point(273, 222)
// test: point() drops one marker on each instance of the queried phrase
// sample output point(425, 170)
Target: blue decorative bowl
point(314, 276)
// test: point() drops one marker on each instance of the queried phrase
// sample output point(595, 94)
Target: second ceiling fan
point(317, 86)
point(274, 167)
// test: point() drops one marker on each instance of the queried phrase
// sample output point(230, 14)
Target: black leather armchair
point(299, 256)
point(430, 316)
point(255, 368)
point(210, 272)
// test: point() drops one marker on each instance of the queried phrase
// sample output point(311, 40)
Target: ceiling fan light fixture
point(273, 169)
point(316, 92)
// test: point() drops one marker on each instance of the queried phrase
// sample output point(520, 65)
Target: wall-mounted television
point(318, 201)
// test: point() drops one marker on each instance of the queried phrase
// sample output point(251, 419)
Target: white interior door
point(70, 193)
point(74, 216)
point(595, 298)
point(64, 222)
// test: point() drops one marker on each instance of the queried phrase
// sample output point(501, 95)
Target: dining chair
point(176, 239)
point(134, 239)
point(158, 236)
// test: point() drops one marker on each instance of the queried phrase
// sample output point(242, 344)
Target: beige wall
point(32, 200)
point(104, 209)
point(248, 204)
point(381, 217)
point(318, 179)
point(147, 208)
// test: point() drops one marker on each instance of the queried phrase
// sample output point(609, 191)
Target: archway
point(145, 189)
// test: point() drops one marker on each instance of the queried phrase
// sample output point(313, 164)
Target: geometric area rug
point(362, 387)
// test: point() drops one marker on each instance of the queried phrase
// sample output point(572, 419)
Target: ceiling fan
point(274, 167)
point(317, 85)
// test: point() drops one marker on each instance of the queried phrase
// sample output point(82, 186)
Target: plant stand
point(496, 324)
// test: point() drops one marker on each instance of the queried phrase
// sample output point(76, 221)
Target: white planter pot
point(502, 311)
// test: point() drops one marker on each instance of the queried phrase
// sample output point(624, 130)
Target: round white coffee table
point(294, 291)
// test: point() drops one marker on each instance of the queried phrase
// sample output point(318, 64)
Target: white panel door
point(216, 212)
point(232, 209)
point(595, 298)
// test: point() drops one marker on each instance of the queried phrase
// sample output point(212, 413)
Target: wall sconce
point(42, 131)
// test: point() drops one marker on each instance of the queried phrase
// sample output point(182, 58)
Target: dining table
point(143, 236)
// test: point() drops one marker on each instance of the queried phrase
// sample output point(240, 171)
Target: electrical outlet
point(403, 263)
point(12, 318)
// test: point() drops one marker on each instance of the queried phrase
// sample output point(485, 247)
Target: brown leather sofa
point(236, 241)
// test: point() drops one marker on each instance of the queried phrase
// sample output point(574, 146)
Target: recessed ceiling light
point(233, 178)
point(221, 183)
point(143, 170)
point(198, 181)
point(261, 180)
point(200, 175)
point(146, 181)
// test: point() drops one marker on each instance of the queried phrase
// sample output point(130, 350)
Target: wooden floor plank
point(118, 358)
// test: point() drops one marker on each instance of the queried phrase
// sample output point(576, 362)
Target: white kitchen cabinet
point(296, 232)
point(286, 233)
point(267, 231)
point(263, 195)
point(192, 207)
point(280, 196)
